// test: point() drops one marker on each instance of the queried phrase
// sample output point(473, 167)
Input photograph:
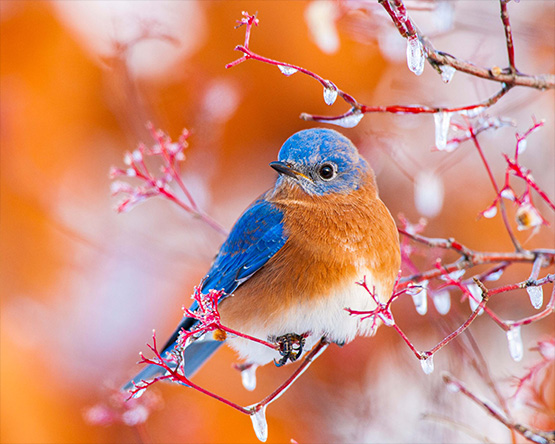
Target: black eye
point(327, 171)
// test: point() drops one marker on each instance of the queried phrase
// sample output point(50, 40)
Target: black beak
point(283, 168)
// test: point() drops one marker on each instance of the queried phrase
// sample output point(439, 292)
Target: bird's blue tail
point(196, 354)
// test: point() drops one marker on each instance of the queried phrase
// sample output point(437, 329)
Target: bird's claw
point(290, 347)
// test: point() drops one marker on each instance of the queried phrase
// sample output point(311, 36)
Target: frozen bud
point(428, 193)
point(527, 216)
point(547, 349)
point(287, 70)
point(415, 55)
point(130, 172)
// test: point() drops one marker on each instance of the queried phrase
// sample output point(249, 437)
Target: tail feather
point(196, 354)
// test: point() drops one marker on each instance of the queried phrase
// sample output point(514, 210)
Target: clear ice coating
point(259, 424)
point(349, 121)
point(427, 364)
point(330, 95)
point(490, 212)
point(248, 377)
point(420, 298)
point(536, 296)
point(442, 120)
point(138, 394)
point(476, 297)
point(415, 55)
point(287, 70)
point(387, 317)
point(442, 301)
point(515, 343)
point(447, 73)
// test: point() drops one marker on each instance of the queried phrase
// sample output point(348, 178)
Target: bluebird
point(290, 266)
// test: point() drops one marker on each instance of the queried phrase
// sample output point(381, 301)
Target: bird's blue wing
point(254, 239)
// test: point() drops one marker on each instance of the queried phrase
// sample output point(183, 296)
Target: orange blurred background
point(82, 287)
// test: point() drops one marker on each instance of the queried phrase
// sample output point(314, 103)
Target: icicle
point(442, 301)
point(427, 364)
point(420, 297)
point(349, 121)
point(330, 95)
point(515, 343)
point(287, 70)
point(476, 297)
point(259, 424)
point(415, 55)
point(442, 120)
point(248, 377)
point(536, 296)
point(447, 73)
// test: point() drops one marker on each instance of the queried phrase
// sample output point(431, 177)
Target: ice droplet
point(415, 55)
point(420, 298)
point(330, 95)
point(287, 70)
point(428, 193)
point(248, 377)
point(259, 423)
point(536, 296)
point(349, 121)
point(515, 343)
point(508, 194)
point(490, 212)
point(442, 301)
point(476, 297)
point(447, 73)
point(521, 145)
point(427, 364)
point(442, 120)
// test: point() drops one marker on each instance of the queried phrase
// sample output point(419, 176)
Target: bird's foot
point(290, 347)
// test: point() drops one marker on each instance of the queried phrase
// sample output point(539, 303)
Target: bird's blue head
point(321, 161)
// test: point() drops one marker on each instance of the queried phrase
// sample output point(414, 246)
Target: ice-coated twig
point(538, 436)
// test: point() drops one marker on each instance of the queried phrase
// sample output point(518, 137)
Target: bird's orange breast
point(331, 238)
